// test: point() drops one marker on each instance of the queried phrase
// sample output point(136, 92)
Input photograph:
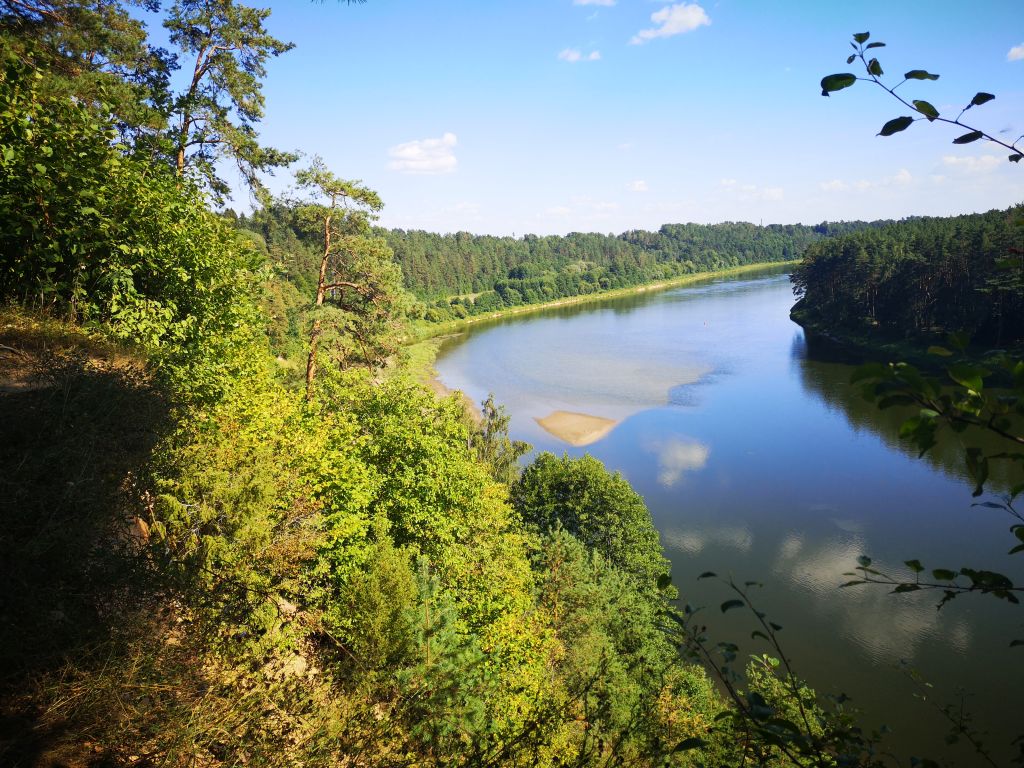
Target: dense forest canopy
point(919, 278)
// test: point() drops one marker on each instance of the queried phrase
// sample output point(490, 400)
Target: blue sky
point(550, 116)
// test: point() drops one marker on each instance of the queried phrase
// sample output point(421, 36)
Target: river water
point(758, 460)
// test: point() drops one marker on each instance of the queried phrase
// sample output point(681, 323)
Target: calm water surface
point(759, 461)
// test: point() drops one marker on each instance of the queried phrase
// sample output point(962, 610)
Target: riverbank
point(424, 331)
point(859, 347)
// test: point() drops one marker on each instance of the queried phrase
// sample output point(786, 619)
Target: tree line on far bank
point(919, 279)
point(458, 275)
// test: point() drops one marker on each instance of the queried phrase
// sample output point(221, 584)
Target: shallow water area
point(760, 461)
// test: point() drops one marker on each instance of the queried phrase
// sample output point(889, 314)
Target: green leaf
point(906, 588)
point(707, 575)
point(664, 580)
point(968, 376)
point(861, 37)
point(944, 574)
point(758, 633)
point(915, 565)
point(864, 561)
point(981, 98)
point(874, 45)
point(730, 604)
point(920, 74)
point(1015, 643)
point(940, 351)
point(837, 82)
point(1016, 158)
point(776, 627)
point(967, 138)
point(850, 59)
point(926, 109)
point(896, 125)
point(875, 68)
point(687, 744)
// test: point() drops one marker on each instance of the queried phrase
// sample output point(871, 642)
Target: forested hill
point(532, 268)
point(460, 274)
point(438, 266)
point(921, 277)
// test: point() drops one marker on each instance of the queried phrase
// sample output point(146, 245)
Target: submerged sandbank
point(577, 429)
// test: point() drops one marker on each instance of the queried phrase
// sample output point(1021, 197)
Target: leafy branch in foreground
point(965, 400)
point(776, 719)
point(922, 109)
point(985, 582)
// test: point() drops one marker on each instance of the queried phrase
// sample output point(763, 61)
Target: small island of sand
point(577, 429)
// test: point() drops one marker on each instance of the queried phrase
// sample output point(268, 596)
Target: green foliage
point(921, 108)
point(618, 666)
point(597, 507)
point(216, 114)
point(490, 442)
point(97, 52)
point(774, 718)
point(485, 273)
point(919, 278)
point(100, 237)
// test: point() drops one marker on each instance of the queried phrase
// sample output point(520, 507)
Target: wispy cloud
point(425, 156)
point(593, 2)
point(1016, 53)
point(637, 186)
point(673, 20)
point(573, 55)
point(746, 192)
point(973, 164)
point(901, 178)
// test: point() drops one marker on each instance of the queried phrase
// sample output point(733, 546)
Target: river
point(758, 460)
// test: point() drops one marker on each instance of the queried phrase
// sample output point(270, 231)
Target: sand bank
point(577, 429)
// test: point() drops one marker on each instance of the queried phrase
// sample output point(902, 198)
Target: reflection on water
point(677, 456)
point(693, 542)
point(829, 380)
point(760, 461)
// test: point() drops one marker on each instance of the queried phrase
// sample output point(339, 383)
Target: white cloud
point(593, 2)
point(425, 156)
point(973, 164)
point(637, 186)
point(673, 20)
point(1016, 53)
point(747, 192)
point(572, 55)
point(834, 186)
point(902, 178)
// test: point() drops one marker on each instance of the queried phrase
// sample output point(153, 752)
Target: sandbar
point(577, 429)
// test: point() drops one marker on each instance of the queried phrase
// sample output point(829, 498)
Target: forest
point(920, 279)
point(238, 531)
